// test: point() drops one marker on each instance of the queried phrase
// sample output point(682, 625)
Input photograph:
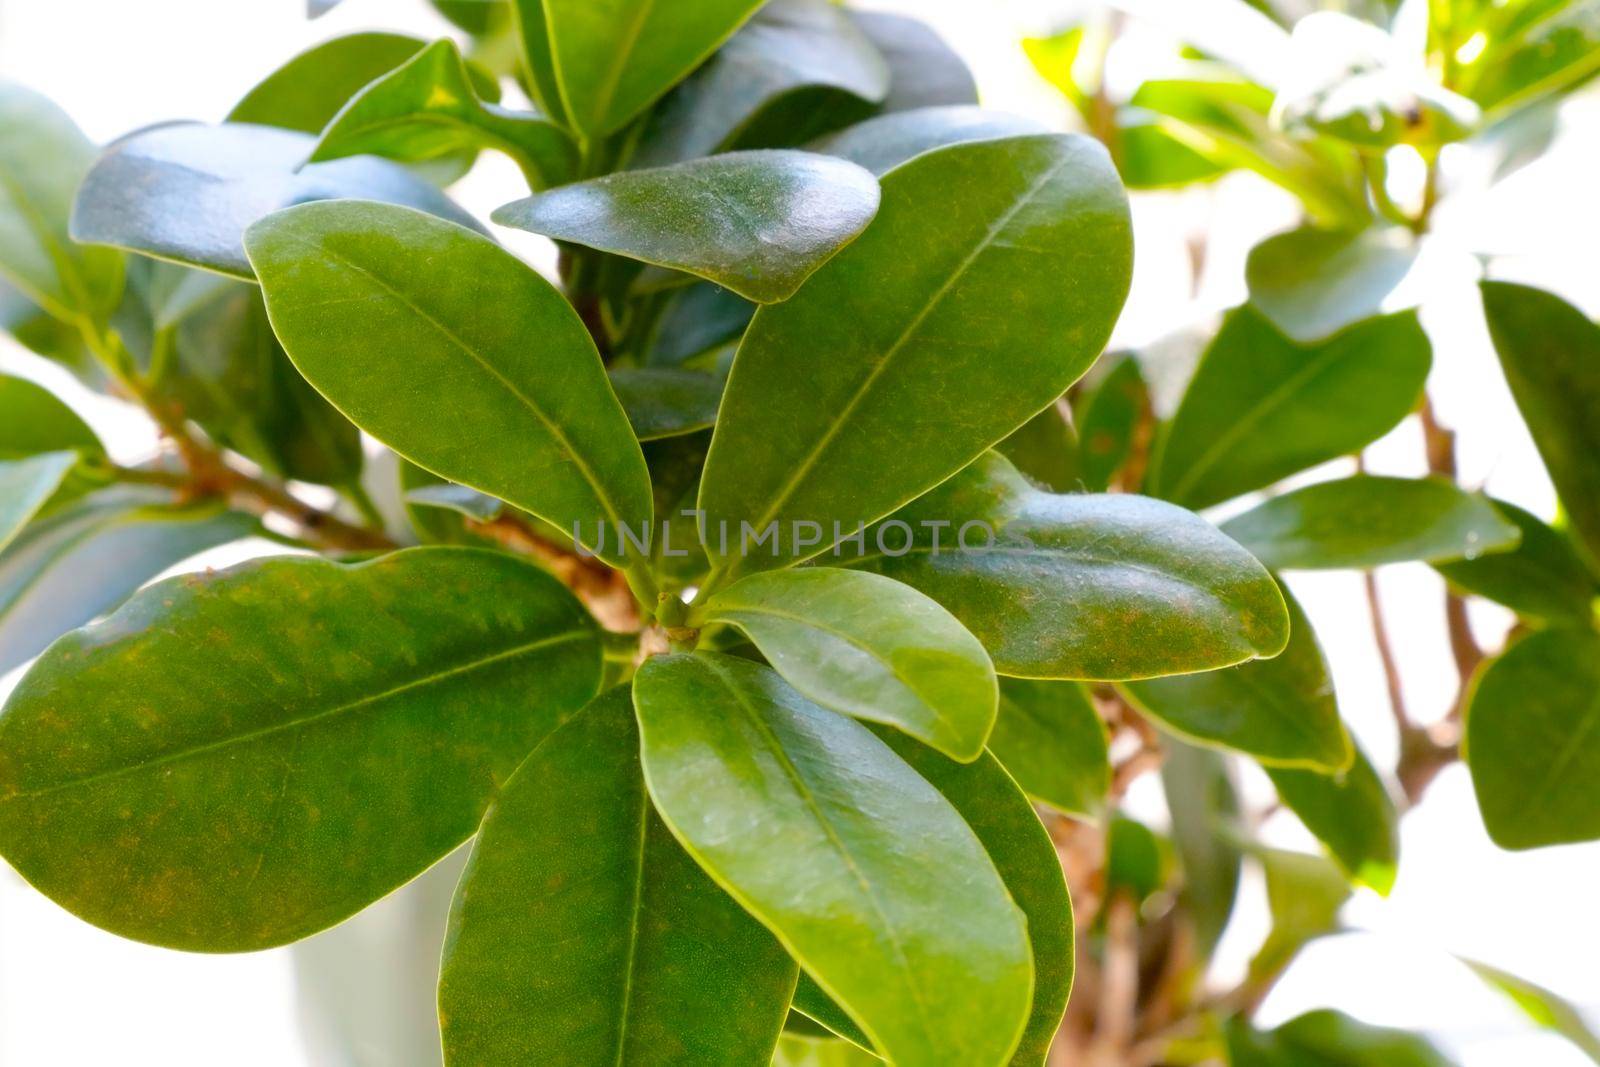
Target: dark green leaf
point(1352, 813)
point(582, 933)
point(429, 108)
point(924, 71)
point(758, 223)
point(27, 484)
point(614, 60)
point(1052, 740)
point(35, 421)
point(349, 285)
point(1367, 520)
point(1135, 860)
point(1204, 802)
point(664, 402)
point(42, 160)
point(870, 647)
point(1111, 416)
point(1045, 449)
point(880, 144)
point(1543, 576)
point(1078, 586)
point(1549, 1010)
point(307, 91)
point(1329, 1039)
point(186, 192)
point(1532, 740)
point(1261, 408)
point(969, 327)
point(1312, 283)
point(817, 1007)
point(237, 760)
point(1551, 356)
point(769, 85)
point(819, 856)
point(697, 320)
point(1281, 711)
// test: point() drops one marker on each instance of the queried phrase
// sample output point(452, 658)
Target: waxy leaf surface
point(883, 143)
point(237, 760)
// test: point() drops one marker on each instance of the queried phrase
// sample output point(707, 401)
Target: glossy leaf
point(797, 1050)
point(35, 421)
point(1367, 521)
point(348, 285)
point(905, 324)
point(1281, 711)
point(1077, 586)
point(825, 863)
point(1312, 283)
point(284, 742)
point(1329, 1039)
point(69, 567)
point(308, 90)
point(1204, 802)
point(924, 71)
point(663, 402)
point(1550, 353)
point(42, 160)
point(1543, 577)
point(1352, 813)
point(429, 107)
point(186, 192)
point(1545, 1008)
point(1532, 740)
point(867, 646)
point(613, 60)
point(793, 64)
point(582, 933)
point(1261, 408)
point(1052, 740)
point(882, 143)
point(27, 484)
point(758, 223)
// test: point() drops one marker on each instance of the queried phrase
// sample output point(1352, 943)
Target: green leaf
point(882, 143)
point(1281, 711)
point(1543, 577)
point(795, 63)
point(1553, 55)
point(1549, 1010)
point(816, 1007)
point(1204, 803)
point(867, 646)
point(27, 484)
point(1110, 419)
point(1305, 895)
point(1052, 740)
point(307, 91)
point(697, 320)
point(758, 223)
point(186, 192)
point(429, 108)
point(1533, 740)
point(533, 34)
point(819, 856)
point(76, 563)
point(45, 335)
point(910, 319)
point(796, 1050)
point(665, 402)
point(1261, 408)
point(990, 802)
point(42, 160)
point(1045, 449)
point(1312, 283)
point(237, 760)
point(35, 421)
point(349, 285)
point(1078, 586)
point(1329, 1039)
point(924, 71)
point(1551, 356)
point(1367, 520)
point(1352, 813)
point(614, 60)
point(582, 933)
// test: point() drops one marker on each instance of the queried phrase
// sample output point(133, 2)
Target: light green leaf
point(796, 64)
point(1312, 283)
point(1261, 408)
point(35, 421)
point(1281, 711)
point(797, 1050)
point(582, 933)
point(349, 285)
point(186, 192)
point(533, 34)
point(1329, 1039)
point(1550, 55)
point(1352, 813)
point(1543, 577)
point(1053, 741)
point(908, 319)
point(819, 855)
point(1204, 802)
point(614, 59)
point(235, 761)
point(308, 90)
point(666, 402)
point(429, 108)
point(42, 160)
point(27, 484)
point(758, 223)
point(45, 335)
point(870, 647)
point(1110, 420)
point(1077, 586)
point(924, 71)
point(1367, 520)
point(1551, 356)
point(1305, 895)
point(882, 143)
point(1549, 1010)
point(1533, 740)
point(1045, 450)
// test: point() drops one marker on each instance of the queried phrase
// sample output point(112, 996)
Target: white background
point(71, 995)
